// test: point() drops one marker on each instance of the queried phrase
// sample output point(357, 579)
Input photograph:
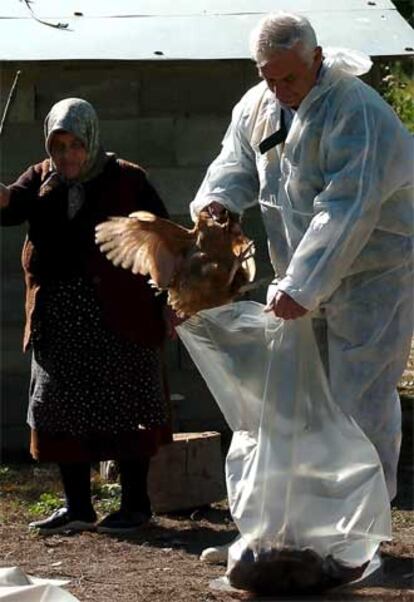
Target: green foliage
point(48, 503)
point(397, 88)
point(4, 472)
point(107, 506)
point(106, 496)
point(18, 496)
point(106, 490)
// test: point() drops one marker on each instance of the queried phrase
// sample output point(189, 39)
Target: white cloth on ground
point(16, 586)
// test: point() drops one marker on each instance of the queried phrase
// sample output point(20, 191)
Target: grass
point(28, 491)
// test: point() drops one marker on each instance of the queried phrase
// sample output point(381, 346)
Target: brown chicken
point(201, 268)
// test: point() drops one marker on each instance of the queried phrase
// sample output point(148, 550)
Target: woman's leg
point(78, 515)
point(134, 477)
point(135, 510)
point(76, 479)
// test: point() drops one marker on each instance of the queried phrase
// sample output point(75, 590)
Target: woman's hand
point(283, 306)
point(4, 196)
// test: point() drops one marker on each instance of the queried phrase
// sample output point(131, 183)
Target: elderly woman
point(97, 389)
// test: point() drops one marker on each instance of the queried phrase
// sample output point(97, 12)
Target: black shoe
point(62, 521)
point(123, 522)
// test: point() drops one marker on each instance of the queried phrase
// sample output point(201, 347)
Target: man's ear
point(317, 56)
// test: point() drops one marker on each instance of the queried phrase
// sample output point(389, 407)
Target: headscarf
point(78, 117)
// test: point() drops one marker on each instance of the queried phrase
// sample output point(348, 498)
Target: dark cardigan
point(57, 248)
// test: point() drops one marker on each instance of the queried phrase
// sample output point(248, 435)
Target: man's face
point(289, 76)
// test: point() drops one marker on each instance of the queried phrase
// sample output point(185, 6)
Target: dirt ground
point(161, 563)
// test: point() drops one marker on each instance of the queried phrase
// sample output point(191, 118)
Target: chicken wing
point(203, 267)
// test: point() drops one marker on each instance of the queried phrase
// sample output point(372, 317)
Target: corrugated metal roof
point(184, 29)
point(122, 8)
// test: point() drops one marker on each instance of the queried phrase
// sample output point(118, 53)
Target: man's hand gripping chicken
point(201, 268)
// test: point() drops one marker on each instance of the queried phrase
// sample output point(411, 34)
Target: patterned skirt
point(88, 384)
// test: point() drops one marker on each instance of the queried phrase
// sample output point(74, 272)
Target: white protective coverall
point(337, 205)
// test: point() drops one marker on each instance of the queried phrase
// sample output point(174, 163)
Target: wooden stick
point(9, 101)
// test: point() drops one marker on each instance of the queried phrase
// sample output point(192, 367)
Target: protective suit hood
point(346, 60)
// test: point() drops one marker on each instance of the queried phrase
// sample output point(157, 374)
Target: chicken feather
point(203, 267)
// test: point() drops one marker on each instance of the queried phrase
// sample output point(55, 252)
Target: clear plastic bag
point(306, 487)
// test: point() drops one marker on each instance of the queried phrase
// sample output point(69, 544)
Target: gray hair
point(282, 31)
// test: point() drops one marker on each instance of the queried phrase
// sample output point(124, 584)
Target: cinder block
point(198, 139)
point(13, 360)
point(12, 300)
point(11, 241)
point(188, 473)
point(144, 141)
point(250, 75)
point(14, 443)
point(177, 186)
point(22, 105)
point(114, 93)
point(191, 87)
point(22, 145)
point(14, 400)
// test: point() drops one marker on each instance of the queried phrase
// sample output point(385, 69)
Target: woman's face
point(69, 154)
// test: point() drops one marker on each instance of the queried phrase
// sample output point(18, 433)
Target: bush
point(397, 88)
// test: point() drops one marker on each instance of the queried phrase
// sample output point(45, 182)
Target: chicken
point(201, 268)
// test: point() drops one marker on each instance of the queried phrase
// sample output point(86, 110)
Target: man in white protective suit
point(332, 167)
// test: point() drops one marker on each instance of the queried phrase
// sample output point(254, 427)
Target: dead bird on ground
point(289, 571)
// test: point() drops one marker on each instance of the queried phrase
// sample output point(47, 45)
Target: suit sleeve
point(232, 178)
point(360, 173)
